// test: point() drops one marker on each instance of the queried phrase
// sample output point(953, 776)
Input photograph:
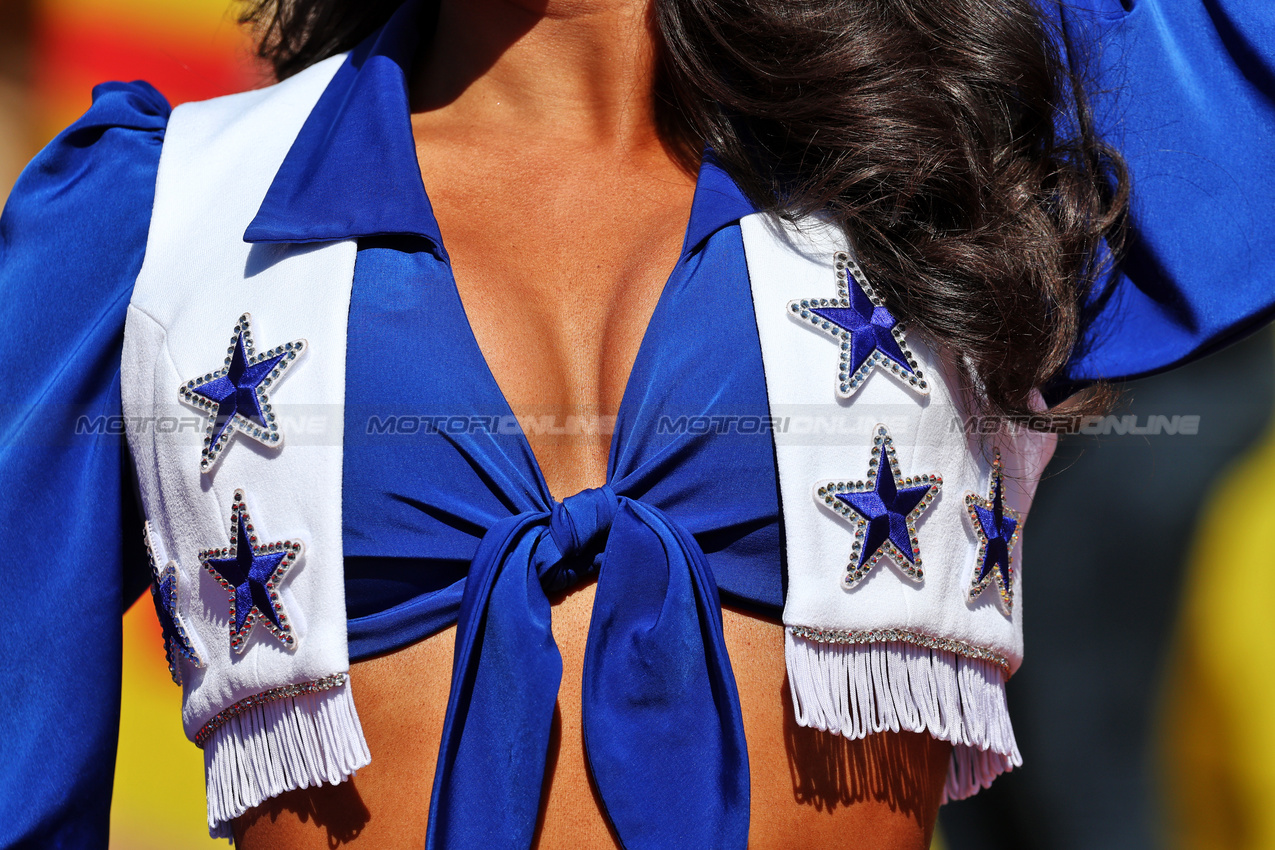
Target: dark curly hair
point(948, 137)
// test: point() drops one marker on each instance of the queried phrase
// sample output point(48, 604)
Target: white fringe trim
point(279, 746)
point(854, 690)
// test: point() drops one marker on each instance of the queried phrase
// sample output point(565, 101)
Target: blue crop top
point(417, 503)
point(72, 239)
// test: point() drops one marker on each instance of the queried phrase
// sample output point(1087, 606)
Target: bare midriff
point(563, 213)
point(810, 789)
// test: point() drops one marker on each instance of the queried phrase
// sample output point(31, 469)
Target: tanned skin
point(563, 212)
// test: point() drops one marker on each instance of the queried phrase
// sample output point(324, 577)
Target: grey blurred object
point(1105, 554)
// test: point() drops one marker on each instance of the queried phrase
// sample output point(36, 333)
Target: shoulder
point(113, 147)
point(85, 200)
point(73, 231)
point(71, 239)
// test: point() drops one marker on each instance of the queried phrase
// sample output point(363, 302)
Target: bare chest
point(559, 276)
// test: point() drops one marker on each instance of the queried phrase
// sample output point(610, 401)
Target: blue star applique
point(867, 333)
point(251, 573)
point(997, 528)
point(164, 593)
point(884, 510)
point(237, 396)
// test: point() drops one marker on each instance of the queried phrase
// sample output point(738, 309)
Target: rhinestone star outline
point(982, 510)
point(860, 564)
point(852, 376)
point(265, 430)
point(165, 593)
point(284, 553)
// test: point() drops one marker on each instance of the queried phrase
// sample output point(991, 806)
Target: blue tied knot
point(662, 725)
point(578, 529)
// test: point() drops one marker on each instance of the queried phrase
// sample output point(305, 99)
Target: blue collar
point(352, 171)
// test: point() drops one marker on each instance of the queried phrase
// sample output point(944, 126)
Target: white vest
point(888, 650)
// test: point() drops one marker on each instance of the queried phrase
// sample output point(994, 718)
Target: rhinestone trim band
point(921, 639)
point(223, 717)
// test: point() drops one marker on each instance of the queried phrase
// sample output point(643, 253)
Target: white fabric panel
point(198, 277)
point(820, 437)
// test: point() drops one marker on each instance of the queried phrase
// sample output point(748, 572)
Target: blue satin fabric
point(662, 725)
point(71, 243)
point(663, 731)
point(1186, 89)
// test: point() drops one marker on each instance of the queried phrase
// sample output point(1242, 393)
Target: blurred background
point(1143, 710)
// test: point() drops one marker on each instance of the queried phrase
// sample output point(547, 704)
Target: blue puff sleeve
point(1186, 90)
point(72, 238)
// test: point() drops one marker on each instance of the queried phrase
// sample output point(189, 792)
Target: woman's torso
point(560, 259)
point(809, 788)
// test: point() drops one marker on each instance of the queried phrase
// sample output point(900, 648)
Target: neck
point(568, 71)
